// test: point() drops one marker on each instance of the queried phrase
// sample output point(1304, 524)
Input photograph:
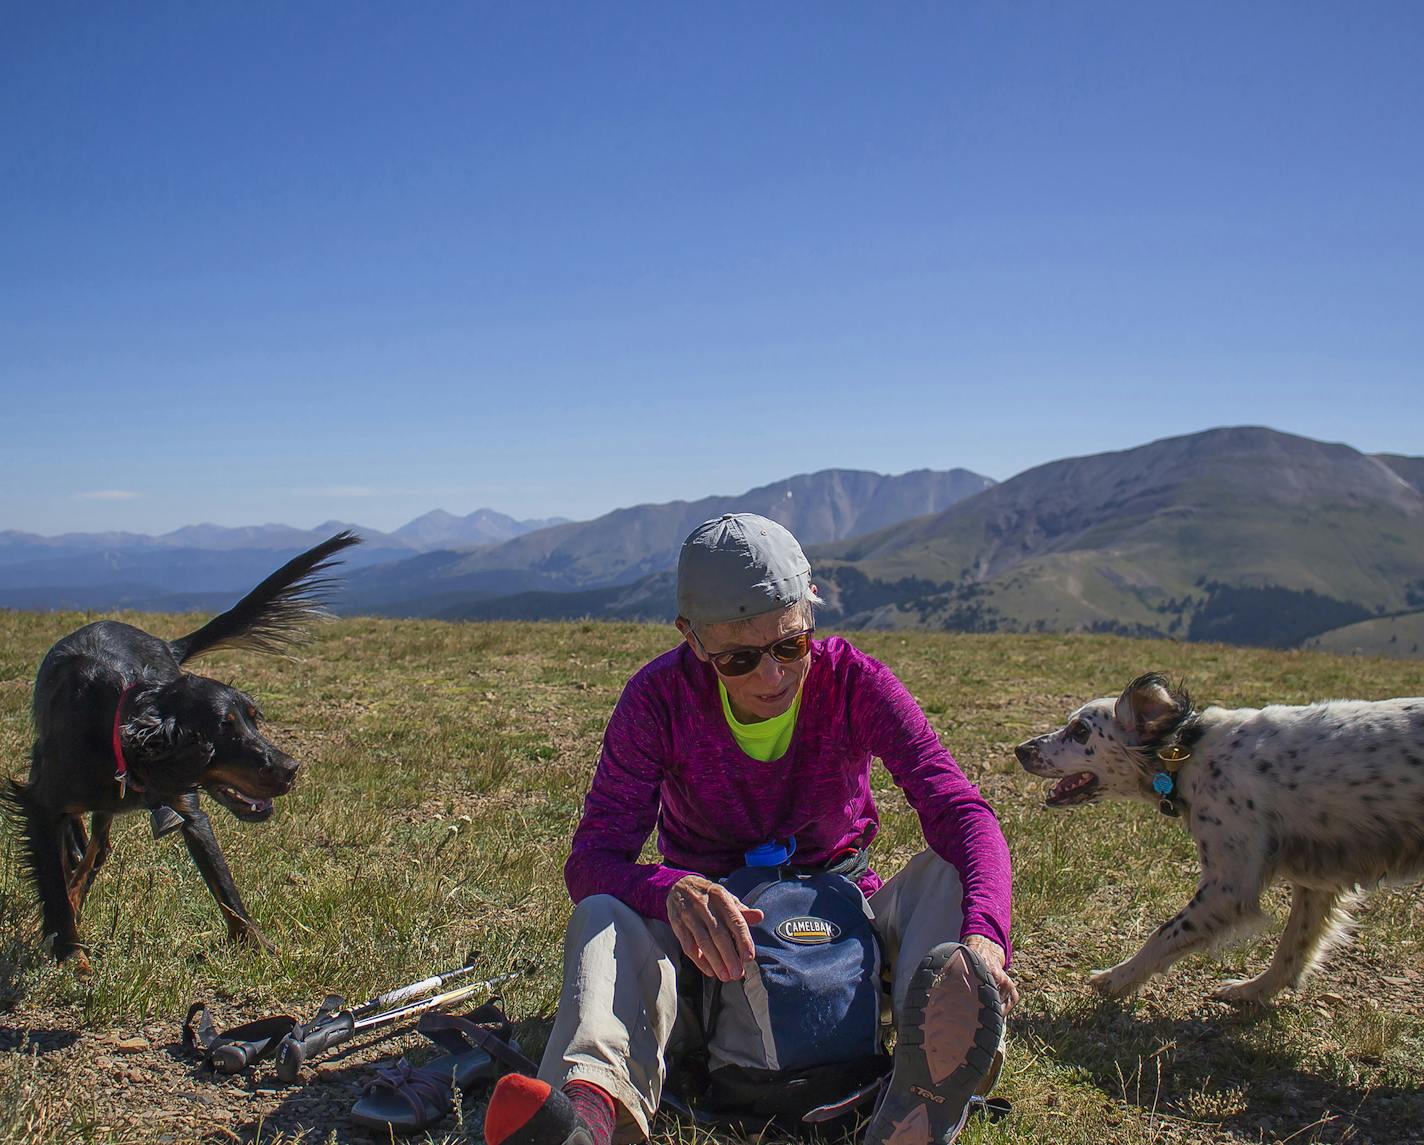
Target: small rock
point(134, 1045)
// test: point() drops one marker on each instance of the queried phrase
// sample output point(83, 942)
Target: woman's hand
point(711, 923)
point(992, 955)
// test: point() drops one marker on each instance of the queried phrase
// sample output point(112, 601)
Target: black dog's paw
point(248, 934)
point(72, 951)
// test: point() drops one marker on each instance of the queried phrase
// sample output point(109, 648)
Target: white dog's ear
point(1149, 706)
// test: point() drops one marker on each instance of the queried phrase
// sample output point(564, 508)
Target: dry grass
point(445, 768)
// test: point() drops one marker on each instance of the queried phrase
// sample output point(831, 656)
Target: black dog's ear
point(148, 734)
point(1151, 707)
point(153, 737)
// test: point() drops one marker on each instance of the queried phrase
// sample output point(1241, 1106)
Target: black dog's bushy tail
point(18, 806)
point(274, 614)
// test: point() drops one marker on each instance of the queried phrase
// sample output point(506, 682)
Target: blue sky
point(293, 262)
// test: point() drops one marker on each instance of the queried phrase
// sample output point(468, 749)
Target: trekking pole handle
point(234, 1057)
point(301, 1044)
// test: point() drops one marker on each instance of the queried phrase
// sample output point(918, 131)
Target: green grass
point(445, 769)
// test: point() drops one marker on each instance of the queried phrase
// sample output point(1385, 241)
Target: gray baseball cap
point(739, 565)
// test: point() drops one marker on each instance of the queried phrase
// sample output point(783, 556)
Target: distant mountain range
point(626, 545)
point(201, 566)
point(439, 562)
point(1242, 535)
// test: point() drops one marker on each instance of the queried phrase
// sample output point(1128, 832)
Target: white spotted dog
point(1329, 797)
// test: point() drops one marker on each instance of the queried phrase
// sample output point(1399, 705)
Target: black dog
point(120, 726)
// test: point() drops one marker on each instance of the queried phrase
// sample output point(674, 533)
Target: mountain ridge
point(431, 529)
point(627, 544)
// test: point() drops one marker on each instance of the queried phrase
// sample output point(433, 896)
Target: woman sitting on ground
point(750, 731)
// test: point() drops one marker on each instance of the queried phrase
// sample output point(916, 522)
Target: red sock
point(526, 1111)
point(515, 1100)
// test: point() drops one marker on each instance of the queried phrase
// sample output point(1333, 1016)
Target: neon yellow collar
point(765, 740)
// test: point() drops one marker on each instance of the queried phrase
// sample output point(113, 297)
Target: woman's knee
point(605, 921)
point(604, 908)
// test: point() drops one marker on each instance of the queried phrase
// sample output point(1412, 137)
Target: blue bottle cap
point(771, 854)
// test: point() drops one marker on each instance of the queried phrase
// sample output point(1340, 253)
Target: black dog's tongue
point(252, 804)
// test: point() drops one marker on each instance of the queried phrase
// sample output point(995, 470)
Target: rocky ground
point(139, 1085)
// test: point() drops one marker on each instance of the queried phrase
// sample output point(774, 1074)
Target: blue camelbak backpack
point(803, 1028)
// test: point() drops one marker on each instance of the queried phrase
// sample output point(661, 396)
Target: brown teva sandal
point(949, 1029)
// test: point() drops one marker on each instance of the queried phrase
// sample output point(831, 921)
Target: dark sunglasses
point(740, 661)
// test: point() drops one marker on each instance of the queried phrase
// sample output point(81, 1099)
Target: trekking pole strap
point(233, 1050)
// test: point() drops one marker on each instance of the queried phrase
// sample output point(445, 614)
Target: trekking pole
point(333, 1028)
point(230, 1054)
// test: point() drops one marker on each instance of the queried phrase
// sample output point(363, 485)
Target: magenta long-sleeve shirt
point(669, 760)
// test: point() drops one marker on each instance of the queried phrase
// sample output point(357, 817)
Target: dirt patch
point(137, 1084)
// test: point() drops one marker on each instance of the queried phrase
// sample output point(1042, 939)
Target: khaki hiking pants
point(618, 1012)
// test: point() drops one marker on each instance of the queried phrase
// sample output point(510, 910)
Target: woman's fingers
point(992, 955)
point(694, 952)
point(715, 928)
point(711, 925)
point(695, 925)
point(1008, 991)
point(729, 930)
point(701, 947)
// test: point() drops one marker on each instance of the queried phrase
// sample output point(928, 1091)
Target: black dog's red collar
point(121, 769)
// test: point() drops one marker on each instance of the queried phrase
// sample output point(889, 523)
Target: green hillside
point(1243, 535)
point(1399, 636)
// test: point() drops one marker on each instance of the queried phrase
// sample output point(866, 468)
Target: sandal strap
point(450, 1033)
point(460, 1035)
point(416, 1087)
